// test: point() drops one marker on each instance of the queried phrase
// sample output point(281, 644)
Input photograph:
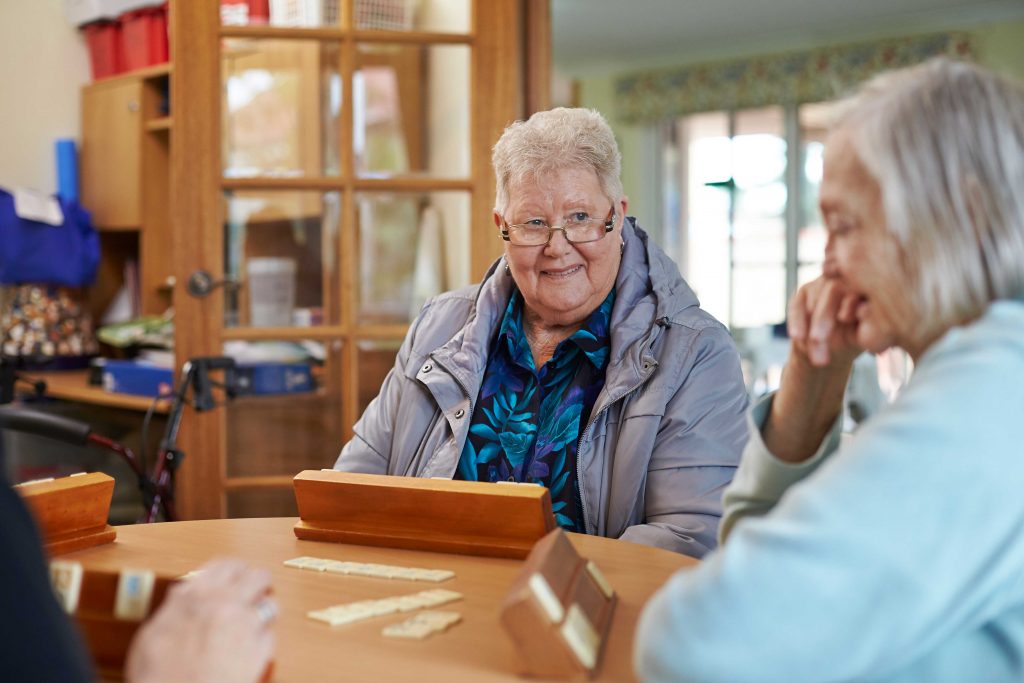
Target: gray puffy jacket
point(665, 434)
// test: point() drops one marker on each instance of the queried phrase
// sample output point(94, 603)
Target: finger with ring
point(266, 610)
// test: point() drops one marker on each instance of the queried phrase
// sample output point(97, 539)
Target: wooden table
point(476, 650)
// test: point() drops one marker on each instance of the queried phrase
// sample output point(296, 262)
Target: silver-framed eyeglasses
point(578, 228)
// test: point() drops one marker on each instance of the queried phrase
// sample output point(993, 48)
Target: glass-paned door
point(339, 181)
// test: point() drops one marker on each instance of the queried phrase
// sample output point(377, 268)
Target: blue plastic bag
point(36, 252)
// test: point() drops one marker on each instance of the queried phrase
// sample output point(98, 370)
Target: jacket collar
point(650, 290)
point(465, 354)
point(643, 257)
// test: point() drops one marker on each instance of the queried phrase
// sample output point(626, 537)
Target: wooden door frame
point(537, 55)
point(524, 36)
point(196, 216)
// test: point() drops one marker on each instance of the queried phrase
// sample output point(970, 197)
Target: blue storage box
point(137, 377)
point(272, 378)
point(249, 379)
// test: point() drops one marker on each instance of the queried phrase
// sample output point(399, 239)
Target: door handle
point(200, 283)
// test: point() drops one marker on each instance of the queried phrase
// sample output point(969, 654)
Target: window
point(741, 188)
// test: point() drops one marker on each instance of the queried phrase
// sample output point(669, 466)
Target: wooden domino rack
point(107, 636)
point(441, 515)
point(94, 606)
point(71, 512)
point(558, 611)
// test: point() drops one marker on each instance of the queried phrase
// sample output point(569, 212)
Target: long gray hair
point(945, 142)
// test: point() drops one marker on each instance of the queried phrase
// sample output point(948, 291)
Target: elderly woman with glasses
point(897, 555)
point(582, 362)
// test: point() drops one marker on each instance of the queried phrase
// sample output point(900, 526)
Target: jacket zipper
point(586, 431)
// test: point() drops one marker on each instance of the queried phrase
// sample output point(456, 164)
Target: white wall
point(43, 64)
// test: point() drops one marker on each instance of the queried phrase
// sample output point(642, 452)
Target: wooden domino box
point(558, 611)
point(71, 512)
point(441, 515)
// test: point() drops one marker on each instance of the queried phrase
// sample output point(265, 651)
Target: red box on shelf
point(259, 11)
point(144, 37)
point(244, 12)
point(104, 41)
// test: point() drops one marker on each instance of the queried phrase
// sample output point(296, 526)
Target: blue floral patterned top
point(526, 424)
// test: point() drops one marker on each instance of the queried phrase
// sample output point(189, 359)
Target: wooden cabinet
point(112, 130)
point(125, 183)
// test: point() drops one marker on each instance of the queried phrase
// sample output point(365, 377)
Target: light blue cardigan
point(898, 558)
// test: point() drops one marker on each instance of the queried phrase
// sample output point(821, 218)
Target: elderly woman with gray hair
point(582, 362)
point(898, 555)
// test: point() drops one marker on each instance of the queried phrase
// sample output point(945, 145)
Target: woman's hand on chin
point(822, 324)
point(823, 330)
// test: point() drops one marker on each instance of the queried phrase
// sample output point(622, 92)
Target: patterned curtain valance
point(812, 76)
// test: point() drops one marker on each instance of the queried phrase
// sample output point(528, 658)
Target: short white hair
point(945, 142)
point(554, 140)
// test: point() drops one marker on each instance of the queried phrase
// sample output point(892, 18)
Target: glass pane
point(286, 416)
point(445, 16)
point(280, 247)
point(759, 295)
point(759, 171)
point(760, 240)
point(708, 206)
point(376, 358)
point(814, 120)
point(811, 243)
point(268, 502)
point(411, 110)
point(282, 102)
point(298, 13)
point(412, 246)
point(669, 234)
point(806, 273)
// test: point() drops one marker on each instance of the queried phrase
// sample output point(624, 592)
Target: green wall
point(1001, 47)
point(637, 143)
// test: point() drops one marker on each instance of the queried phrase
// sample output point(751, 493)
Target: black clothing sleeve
point(38, 642)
